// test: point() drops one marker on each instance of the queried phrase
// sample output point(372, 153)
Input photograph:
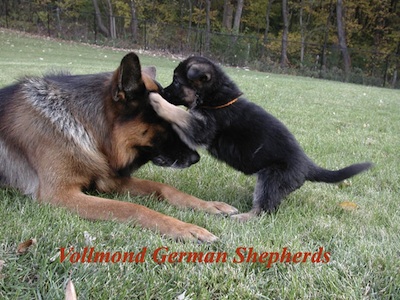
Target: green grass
point(337, 124)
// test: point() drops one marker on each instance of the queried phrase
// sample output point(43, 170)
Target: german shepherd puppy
point(240, 133)
point(61, 135)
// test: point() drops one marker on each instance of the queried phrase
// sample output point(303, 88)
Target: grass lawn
point(337, 124)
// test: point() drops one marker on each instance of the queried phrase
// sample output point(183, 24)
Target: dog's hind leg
point(265, 195)
point(271, 187)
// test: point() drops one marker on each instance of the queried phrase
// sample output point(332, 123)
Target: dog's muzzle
point(179, 163)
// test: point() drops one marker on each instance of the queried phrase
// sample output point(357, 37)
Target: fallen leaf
point(347, 205)
point(23, 247)
point(70, 293)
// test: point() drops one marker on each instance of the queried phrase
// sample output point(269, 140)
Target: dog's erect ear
point(201, 72)
point(150, 71)
point(149, 79)
point(128, 78)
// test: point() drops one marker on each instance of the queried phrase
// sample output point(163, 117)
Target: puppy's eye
point(176, 82)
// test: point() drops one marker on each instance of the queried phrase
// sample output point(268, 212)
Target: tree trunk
point(342, 39)
point(103, 29)
point(265, 39)
point(394, 79)
point(396, 66)
point(227, 16)
point(302, 34)
point(134, 21)
point(58, 20)
point(113, 31)
point(238, 16)
point(327, 27)
point(285, 33)
point(208, 25)
point(190, 21)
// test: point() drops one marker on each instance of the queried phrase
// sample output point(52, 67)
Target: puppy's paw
point(164, 109)
point(218, 208)
point(157, 102)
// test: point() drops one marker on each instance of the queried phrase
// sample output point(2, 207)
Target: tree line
point(349, 36)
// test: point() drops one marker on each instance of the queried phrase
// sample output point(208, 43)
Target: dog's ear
point(127, 79)
point(199, 72)
point(149, 79)
point(150, 71)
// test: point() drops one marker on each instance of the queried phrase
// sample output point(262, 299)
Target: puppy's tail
point(322, 175)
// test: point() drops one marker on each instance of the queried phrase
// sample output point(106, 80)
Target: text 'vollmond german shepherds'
point(61, 135)
point(240, 133)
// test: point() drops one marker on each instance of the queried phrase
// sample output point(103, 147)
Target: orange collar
point(221, 106)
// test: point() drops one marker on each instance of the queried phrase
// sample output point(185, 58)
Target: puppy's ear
point(127, 80)
point(199, 72)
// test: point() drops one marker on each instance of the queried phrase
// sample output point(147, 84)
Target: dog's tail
point(319, 174)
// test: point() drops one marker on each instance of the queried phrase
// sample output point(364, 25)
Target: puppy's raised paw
point(157, 102)
point(166, 110)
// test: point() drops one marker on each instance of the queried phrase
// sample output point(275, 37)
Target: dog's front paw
point(244, 217)
point(218, 208)
point(182, 231)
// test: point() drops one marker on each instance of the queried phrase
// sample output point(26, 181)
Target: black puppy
point(240, 133)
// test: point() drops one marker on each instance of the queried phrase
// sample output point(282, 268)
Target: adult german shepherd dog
point(62, 135)
point(239, 133)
